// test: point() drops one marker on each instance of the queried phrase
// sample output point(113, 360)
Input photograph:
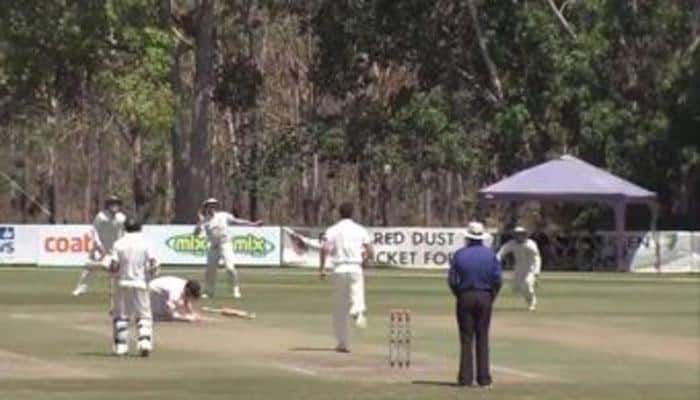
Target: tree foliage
point(406, 107)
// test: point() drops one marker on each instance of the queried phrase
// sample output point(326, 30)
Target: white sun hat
point(210, 200)
point(519, 229)
point(475, 231)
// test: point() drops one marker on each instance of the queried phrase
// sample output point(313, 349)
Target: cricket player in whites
point(132, 264)
point(527, 264)
point(215, 224)
point(349, 245)
point(172, 299)
point(107, 227)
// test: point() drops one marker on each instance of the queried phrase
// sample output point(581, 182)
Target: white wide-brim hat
point(209, 201)
point(475, 231)
point(519, 229)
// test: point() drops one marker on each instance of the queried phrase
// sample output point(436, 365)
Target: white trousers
point(130, 302)
point(214, 255)
point(349, 301)
point(525, 286)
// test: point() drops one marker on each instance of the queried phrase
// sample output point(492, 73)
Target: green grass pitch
point(594, 336)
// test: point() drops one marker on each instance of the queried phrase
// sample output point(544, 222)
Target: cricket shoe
point(237, 292)
point(342, 349)
point(205, 296)
point(120, 349)
point(80, 289)
point(360, 320)
point(145, 347)
point(532, 308)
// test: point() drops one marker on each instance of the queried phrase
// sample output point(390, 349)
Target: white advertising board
point(402, 247)
point(63, 245)
point(18, 244)
point(679, 251)
point(176, 245)
point(68, 245)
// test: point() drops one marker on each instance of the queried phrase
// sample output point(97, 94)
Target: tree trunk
point(139, 188)
point(51, 185)
point(427, 198)
point(203, 86)
point(363, 172)
point(102, 172)
point(448, 212)
point(695, 32)
point(385, 196)
point(179, 145)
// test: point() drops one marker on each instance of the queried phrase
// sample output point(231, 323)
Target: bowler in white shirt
point(349, 247)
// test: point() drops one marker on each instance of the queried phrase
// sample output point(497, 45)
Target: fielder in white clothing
point(133, 266)
point(172, 299)
point(215, 225)
point(107, 228)
point(527, 264)
point(349, 245)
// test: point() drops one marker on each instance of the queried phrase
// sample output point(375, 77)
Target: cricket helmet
point(210, 202)
point(113, 199)
point(520, 229)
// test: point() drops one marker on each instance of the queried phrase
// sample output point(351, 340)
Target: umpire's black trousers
point(473, 319)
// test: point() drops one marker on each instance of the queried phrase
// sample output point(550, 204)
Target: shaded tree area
point(284, 109)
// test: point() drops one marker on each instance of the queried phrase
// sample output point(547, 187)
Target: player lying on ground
point(215, 224)
point(526, 266)
point(107, 228)
point(132, 264)
point(172, 299)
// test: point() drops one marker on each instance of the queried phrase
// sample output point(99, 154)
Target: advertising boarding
point(69, 245)
point(18, 244)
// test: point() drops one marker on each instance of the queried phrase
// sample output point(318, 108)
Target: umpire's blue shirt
point(474, 267)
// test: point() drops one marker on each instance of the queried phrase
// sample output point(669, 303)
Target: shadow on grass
point(98, 354)
point(328, 349)
point(436, 383)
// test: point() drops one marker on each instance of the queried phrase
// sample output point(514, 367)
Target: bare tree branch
point(490, 65)
point(561, 18)
point(695, 39)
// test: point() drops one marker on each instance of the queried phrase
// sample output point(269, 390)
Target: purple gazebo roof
point(568, 179)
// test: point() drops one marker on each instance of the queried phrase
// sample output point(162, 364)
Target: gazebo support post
point(620, 208)
point(654, 206)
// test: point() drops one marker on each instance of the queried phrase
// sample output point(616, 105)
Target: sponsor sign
point(404, 247)
point(416, 247)
point(69, 245)
point(177, 245)
point(18, 244)
point(679, 251)
point(64, 245)
point(412, 247)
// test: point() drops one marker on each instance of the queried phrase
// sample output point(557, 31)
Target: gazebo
point(569, 179)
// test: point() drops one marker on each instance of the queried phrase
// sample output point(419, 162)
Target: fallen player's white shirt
point(167, 296)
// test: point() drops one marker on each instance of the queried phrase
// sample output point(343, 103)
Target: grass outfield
point(595, 336)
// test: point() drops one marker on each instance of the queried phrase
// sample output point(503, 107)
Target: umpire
point(475, 279)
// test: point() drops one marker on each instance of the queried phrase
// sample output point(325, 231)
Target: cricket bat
point(230, 312)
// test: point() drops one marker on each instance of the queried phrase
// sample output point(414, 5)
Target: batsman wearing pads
point(133, 265)
point(527, 265)
point(107, 228)
point(349, 245)
point(215, 224)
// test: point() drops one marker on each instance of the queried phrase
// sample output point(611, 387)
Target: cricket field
point(594, 336)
